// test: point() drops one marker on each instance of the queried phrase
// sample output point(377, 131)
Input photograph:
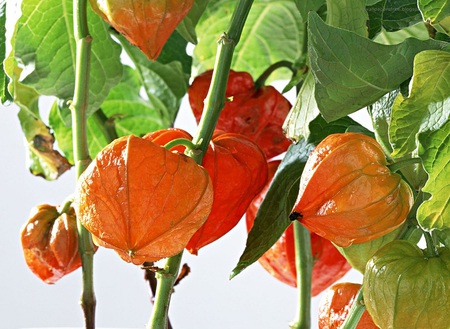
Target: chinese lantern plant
point(348, 194)
point(146, 24)
point(257, 112)
point(142, 200)
point(328, 264)
point(406, 287)
point(335, 305)
point(238, 171)
point(50, 242)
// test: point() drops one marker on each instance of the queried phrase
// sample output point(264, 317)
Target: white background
point(206, 299)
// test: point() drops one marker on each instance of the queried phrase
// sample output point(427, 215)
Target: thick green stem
point(81, 152)
point(166, 279)
point(304, 265)
point(355, 312)
point(215, 99)
point(214, 103)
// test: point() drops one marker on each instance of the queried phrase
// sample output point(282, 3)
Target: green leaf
point(320, 128)
point(296, 125)
point(435, 153)
point(186, 28)
point(272, 218)
point(348, 14)
point(352, 72)
point(358, 254)
point(97, 140)
point(164, 84)
point(426, 107)
point(392, 15)
point(131, 114)
point(418, 31)
point(45, 50)
point(434, 11)
point(43, 160)
point(175, 50)
point(380, 113)
point(273, 32)
point(305, 6)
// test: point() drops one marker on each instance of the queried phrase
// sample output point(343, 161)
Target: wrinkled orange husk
point(142, 200)
point(147, 24)
point(347, 194)
point(336, 304)
point(238, 169)
point(50, 243)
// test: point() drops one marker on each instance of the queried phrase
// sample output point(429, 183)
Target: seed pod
point(238, 170)
point(146, 24)
point(50, 243)
point(405, 288)
point(335, 305)
point(257, 113)
point(142, 200)
point(279, 261)
point(348, 194)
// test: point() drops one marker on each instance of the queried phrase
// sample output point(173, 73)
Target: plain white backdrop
point(206, 299)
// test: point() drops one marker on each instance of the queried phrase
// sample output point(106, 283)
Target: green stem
point(304, 265)
point(355, 312)
point(215, 99)
point(181, 141)
point(81, 152)
point(403, 163)
point(260, 82)
point(166, 279)
point(105, 125)
point(431, 248)
point(214, 103)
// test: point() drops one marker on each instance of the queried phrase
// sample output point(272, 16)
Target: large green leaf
point(45, 50)
point(164, 84)
point(426, 107)
point(272, 218)
point(95, 131)
point(305, 6)
point(435, 153)
point(175, 50)
point(352, 71)
point(418, 31)
point(187, 26)
point(273, 32)
point(131, 113)
point(434, 11)
point(348, 14)
point(392, 15)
